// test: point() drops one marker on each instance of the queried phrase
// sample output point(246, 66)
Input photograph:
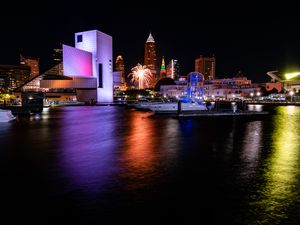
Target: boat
point(144, 104)
point(172, 107)
point(6, 115)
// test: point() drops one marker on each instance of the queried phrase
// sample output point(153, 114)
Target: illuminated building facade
point(287, 82)
point(57, 55)
point(119, 66)
point(12, 76)
point(150, 56)
point(57, 59)
point(87, 71)
point(33, 63)
point(100, 45)
point(229, 88)
point(163, 71)
point(206, 66)
point(195, 85)
point(173, 70)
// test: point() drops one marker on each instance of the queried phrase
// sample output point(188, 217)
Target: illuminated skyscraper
point(119, 66)
point(173, 69)
point(33, 63)
point(206, 66)
point(57, 55)
point(163, 71)
point(150, 56)
point(12, 76)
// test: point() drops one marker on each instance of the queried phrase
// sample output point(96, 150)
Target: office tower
point(150, 56)
point(163, 71)
point(173, 69)
point(57, 59)
point(33, 63)
point(119, 66)
point(206, 66)
point(12, 76)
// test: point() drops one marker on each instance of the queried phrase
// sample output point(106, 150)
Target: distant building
point(150, 56)
point(120, 67)
point(292, 83)
point(58, 59)
point(12, 76)
point(57, 55)
point(87, 74)
point(229, 88)
point(173, 90)
point(163, 71)
point(206, 66)
point(117, 80)
point(173, 69)
point(278, 86)
point(33, 63)
point(195, 85)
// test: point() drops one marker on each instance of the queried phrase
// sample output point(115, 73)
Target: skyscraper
point(206, 66)
point(173, 70)
point(57, 55)
point(163, 71)
point(33, 63)
point(119, 66)
point(150, 56)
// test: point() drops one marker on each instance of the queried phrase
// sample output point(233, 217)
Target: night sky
point(251, 39)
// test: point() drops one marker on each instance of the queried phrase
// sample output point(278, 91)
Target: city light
point(142, 75)
point(291, 94)
point(251, 94)
point(291, 75)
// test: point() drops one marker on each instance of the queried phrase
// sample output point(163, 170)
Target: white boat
point(172, 107)
point(145, 104)
point(6, 115)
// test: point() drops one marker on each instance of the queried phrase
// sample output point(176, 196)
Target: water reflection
point(87, 146)
point(139, 146)
point(251, 148)
point(149, 149)
point(279, 191)
point(255, 107)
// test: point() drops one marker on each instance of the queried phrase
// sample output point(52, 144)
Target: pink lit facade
point(77, 62)
point(100, 46)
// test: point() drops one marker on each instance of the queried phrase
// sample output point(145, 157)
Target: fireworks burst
point(142, 75)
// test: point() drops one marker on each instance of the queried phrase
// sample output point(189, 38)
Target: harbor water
point(106, 164)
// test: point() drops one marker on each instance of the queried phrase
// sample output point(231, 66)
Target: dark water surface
point(112, 165)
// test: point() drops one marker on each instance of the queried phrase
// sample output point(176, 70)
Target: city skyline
point(254, 40)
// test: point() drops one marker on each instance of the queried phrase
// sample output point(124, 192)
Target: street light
point(291, 94)
point(258, 94)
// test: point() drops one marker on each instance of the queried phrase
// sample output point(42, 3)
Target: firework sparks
point(142, 75)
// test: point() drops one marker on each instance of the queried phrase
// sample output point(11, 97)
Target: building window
point(79, 38)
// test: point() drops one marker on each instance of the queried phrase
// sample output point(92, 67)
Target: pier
point(220, 114)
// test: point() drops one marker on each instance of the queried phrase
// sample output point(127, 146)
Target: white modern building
point(87, 71)
point(100, 45)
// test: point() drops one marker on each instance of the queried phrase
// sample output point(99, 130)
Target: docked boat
point(144, 104)
point(172, 107)
point(6, 115)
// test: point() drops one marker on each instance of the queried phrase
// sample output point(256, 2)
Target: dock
point(220, 114)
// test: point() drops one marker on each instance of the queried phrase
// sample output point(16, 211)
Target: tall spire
point(150, 38)
point(163, 66)
point(163, 71)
